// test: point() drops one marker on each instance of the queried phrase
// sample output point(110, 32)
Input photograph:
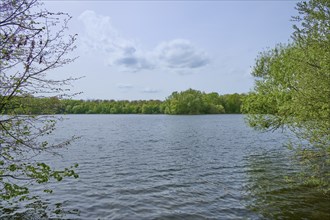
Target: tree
point(186, 102)
point(232, 103)
point(193, 102)
point(292, 90)
point(34, 41)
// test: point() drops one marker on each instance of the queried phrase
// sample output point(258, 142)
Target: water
point(176, 167)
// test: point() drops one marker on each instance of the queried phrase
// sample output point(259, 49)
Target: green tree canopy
point(192, 102)
point(292, 88)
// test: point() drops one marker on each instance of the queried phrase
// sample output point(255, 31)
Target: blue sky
point(148, 49)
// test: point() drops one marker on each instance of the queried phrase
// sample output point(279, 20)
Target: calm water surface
point(177, 167)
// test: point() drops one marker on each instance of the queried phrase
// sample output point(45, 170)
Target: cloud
point(100, 35)
point(131, 61)
point(181, 54)
point(124, 86)
point(150, 90)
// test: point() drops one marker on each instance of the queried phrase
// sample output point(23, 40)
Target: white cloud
point(181, 54)
point(126, 55)
point(99, 33)
point(102, 36)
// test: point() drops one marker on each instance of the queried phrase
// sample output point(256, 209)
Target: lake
point(175, 167)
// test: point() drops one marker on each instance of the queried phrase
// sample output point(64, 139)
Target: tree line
point(187, 102)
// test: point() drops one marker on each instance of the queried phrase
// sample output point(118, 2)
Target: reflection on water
point(269, 194)
point(172, 167)
point(36, 209)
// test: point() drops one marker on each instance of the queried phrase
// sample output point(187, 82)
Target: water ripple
point(172, 167)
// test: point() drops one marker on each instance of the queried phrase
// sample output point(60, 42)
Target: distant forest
point(189, 102)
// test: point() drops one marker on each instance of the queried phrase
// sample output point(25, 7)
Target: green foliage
point(292, 90)
point(192, 102)
point(196, 102)
point(186, 102)
point(110, 107)
point(232, 103)
point(29, 105)
point(38, 172)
